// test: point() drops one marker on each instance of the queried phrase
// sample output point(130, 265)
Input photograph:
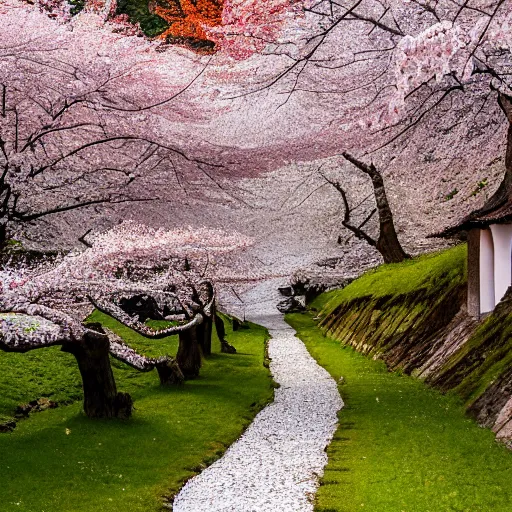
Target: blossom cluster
point(132, 241)
point(124, 260)
point(434, 53)
point(20, 329)
point(249, 26)
point(500, 33)
point(449, 48)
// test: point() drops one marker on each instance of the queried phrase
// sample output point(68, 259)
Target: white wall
point(487, 292)
point(502, 237)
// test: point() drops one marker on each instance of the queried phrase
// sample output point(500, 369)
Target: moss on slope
point(412, 315)
point(395, 311)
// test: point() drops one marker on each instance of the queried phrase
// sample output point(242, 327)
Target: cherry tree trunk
point(189, 353)
point(504, 192)
point(507, 181)
point(170, 373)
point(505, 103)
point(101, 399)
point(387, 244)
point(204, 334)
point(219, 326)
point(221, 333)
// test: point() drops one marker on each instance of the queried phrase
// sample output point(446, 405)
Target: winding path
point(275, 464)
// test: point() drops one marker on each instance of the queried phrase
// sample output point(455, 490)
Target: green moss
point(402, 446)
point(451, 195)
point(430, 272)
point(397, 312)
point(113, 465)
point(41, 373)
point(484, 358)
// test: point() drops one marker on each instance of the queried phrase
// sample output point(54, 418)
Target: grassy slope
point(427, 271)
point(468, 372)
point(123, 465)
point(401, 446)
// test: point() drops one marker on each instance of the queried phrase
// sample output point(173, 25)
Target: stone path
point(275, 465)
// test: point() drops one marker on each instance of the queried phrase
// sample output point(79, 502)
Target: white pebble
point(276, 463)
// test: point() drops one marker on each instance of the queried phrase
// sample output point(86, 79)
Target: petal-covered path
point(275, 465)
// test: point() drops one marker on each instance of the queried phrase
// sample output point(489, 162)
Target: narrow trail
point(275, 464)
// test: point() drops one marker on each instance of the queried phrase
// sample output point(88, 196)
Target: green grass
point(429, 271)
point(402, 446)
point(114, 465)
point(41, 373)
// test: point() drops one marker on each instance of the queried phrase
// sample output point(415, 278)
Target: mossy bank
point(402, 446)
point(412, 315)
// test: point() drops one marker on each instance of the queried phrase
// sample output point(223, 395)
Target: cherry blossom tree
point(28, 325)
point(409, 49)
point(35, 327)
point(403, 83)
point(379, 80)
point(249, 26)
point(76, 128)
point(387, 242)
point(40, 307)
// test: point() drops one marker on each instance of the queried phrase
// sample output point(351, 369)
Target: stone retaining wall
point(429, 334)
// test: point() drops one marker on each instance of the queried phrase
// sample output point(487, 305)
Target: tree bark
point(504, 192)
point(189, 353)
point(505, 102)
point(167, 367)
point(3, 236)
point(101, 399)
point(170, 373)
point(387, 244)
point(204, 334)
point(225, 347)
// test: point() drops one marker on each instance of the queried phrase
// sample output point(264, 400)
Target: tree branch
point(33, 216)
point(346, 222)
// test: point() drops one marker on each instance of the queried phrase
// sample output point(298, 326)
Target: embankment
point(412, 315)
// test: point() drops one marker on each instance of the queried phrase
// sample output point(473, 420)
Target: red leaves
point(187, 18)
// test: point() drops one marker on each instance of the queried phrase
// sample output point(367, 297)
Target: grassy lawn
point(59, 460)
point(402, 446)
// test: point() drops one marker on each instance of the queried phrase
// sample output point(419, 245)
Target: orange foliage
point(187, 17)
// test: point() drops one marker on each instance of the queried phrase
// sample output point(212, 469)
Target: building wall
point(502, 238)
point(487, 292)
point(489, 280)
